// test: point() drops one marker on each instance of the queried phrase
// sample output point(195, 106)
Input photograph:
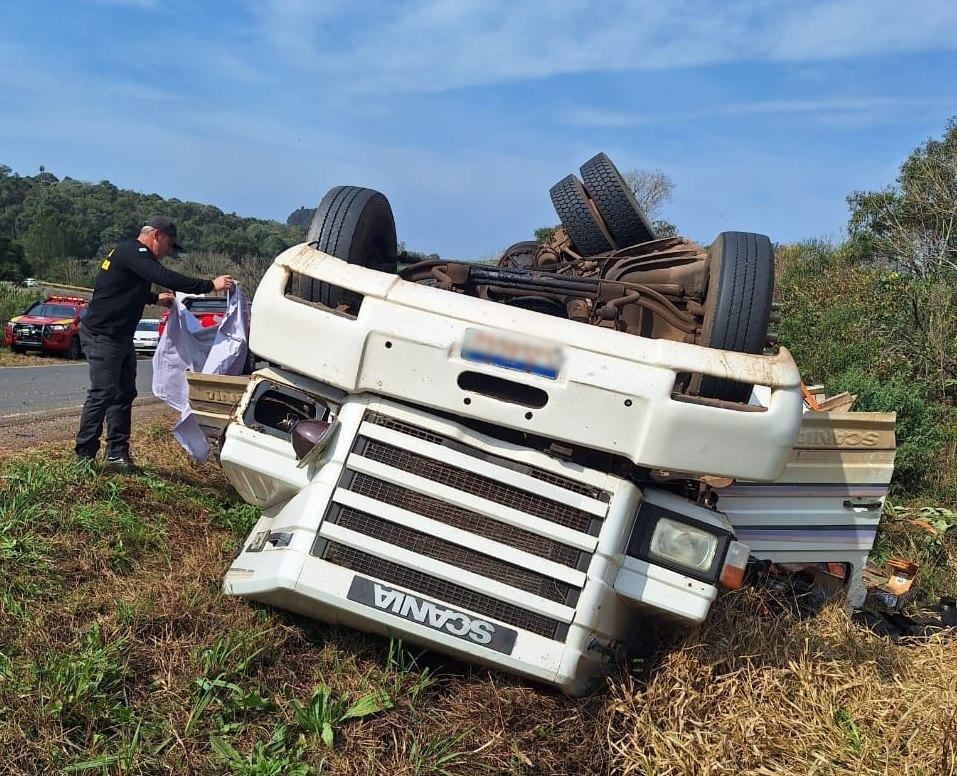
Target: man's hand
point(165, 299)
point(223, 282)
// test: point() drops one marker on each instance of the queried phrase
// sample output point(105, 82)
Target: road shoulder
point(25, 430)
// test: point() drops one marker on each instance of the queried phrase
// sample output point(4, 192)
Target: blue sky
point(766, 114)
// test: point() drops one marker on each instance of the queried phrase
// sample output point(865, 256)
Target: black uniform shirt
point(122, 289)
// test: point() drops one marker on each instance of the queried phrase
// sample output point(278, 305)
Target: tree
point(652, 189)
point(13, 265)
point(301, 217)
point(48, 240)
point(64, 226)
point(910, 228)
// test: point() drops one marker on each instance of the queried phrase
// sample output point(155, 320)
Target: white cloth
point(187, 346)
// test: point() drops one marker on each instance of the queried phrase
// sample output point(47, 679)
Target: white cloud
point(446, 44)
point(145, 4)
point(851, 109)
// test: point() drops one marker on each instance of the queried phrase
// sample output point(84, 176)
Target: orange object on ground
point(809, 399)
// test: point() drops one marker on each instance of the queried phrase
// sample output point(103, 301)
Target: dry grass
point(756, 691)
point(119, 654)
point(32, 358)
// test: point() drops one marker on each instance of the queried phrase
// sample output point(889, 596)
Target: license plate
point(518, 354)
point(432, 614)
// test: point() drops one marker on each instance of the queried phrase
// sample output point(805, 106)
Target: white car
point(146, 337)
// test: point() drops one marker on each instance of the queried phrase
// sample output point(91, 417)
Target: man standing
point(121, 291)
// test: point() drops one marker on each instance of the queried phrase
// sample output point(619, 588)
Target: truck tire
point(18, 349)
point(581, 222)
point(616, 203)
point(356, 225)
point(737, 306)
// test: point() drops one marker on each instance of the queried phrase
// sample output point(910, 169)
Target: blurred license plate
point(521, 355)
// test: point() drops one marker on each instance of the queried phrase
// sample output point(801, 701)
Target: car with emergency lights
point(52, 324)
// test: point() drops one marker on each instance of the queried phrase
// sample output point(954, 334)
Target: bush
point(836, 315)
point(846, 325)
point(926, 432)
point(13, 300)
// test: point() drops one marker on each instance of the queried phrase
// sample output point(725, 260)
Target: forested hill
point(46, 223)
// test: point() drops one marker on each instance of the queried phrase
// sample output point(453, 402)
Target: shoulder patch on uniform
point(106, 263)
point(142, 250)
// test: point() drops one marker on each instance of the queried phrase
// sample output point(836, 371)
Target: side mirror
point(310, 438)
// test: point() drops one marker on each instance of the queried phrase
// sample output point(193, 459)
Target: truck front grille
point(475, 484)
point(391, 514)
point(387, 421)
point(453, 554)
point(463, 519)
point(434, 587)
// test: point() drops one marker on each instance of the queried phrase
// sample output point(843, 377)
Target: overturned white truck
point(506, 482)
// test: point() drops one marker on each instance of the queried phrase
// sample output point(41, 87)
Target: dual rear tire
point(600, 215)
point(599, 212)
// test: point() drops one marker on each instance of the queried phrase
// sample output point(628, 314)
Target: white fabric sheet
point(187, 346)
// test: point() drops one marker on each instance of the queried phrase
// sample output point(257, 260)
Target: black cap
point(168, 227)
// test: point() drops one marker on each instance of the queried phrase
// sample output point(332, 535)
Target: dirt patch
point(33, 358)
point(33, 429)
point(43, 358)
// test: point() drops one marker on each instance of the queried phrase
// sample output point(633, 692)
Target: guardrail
point(50, 284)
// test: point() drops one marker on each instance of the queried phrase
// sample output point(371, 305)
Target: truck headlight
point(57, 327)
point(681, 536)
point(683, 544)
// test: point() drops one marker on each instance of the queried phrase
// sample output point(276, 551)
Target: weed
point(237, 518)
point(121, 761)
point(435, 754)
point(110, 521)
point(277, 757)
point(156, 432)
point(228, 658)
point(86, 685)
point(231, 654)
point(18, 546)
point(325, 711)
point(404, 664)
point(853, 736)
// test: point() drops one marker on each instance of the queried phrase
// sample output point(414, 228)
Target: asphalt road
point(32, 388)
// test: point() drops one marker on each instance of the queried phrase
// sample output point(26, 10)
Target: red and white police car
point(52, 324)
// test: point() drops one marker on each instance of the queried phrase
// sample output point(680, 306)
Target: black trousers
point(111, 394)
